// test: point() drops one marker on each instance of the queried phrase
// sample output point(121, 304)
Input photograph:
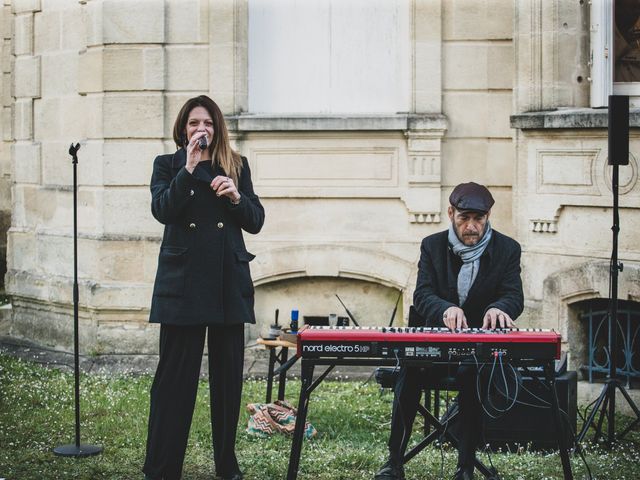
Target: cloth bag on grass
point(278, 417)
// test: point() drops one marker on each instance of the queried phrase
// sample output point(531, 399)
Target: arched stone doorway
point(564, 294)
point(307, 278)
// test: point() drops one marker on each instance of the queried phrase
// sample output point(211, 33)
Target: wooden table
point(281, 358)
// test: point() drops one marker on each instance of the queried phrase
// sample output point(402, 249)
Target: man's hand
point(496, 317)
point(454, 318)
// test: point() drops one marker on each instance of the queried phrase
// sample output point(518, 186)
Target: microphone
point(202, 143)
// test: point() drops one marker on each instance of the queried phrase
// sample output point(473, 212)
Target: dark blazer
point(203, 275)
point(498, 283)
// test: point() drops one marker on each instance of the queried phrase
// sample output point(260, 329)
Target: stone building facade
point(495, 91)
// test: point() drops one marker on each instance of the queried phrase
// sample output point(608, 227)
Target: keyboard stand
point(440, 429)
point(309, 385)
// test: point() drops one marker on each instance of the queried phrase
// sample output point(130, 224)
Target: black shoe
point(147, 477)
point(390, 471)
point(463, 473)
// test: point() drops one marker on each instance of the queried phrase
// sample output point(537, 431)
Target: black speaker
point(528, 423)
point(618, 130)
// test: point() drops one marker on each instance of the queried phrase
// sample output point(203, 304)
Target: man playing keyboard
point(468, 277)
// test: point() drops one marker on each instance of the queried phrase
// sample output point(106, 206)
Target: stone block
point(74, 35)
point(22, 194)
point(90, 70)
point(23, 119)
point(124, 338)
point(7, 98)
point(60, 72)
point(478, 114)
point(173, 102)
point(188, 68)
point(26, 162)
point(7, 58)
point(77, 117)
point(501, 161)
point(133, 116)
point(92, 19)
point(132, 298)
point(90, 212)
point(5, 319)
point(428, 77)
point(120, 261)
point(133, 21)
point(133, 200)
point(24, 6)
point(133, 69)
point(27, 77)
point(6, 23)
point(93, 123)
point(56, 164)
point(463, 19)
point(47, 119)
point(21, 247)
point(130, 162)
point(499, 19)
point(477, 19)
point(464, 159)
point(223, 76)
point(48, 26)
point(23, 43)
point(500, 66)
point(427, 21)
point(187, 21)
point(465, 66)
point(7, 124)
point(91, 163)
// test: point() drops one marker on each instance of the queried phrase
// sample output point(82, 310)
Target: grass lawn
point(352, 418)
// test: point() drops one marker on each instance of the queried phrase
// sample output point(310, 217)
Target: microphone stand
point(76, 449)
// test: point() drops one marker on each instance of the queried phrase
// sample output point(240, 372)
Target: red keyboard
point(436, 344)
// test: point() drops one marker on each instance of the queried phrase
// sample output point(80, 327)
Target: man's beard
point(471, 238)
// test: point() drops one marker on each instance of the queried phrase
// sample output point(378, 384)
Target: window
point(329, 56)
point(615, 50)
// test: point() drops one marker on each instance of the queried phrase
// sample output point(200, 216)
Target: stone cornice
point(570, 118)
point(400, 122)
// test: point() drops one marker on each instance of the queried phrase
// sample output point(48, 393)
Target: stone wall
point(348, 198)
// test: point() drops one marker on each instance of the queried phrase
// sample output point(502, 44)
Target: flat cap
point(471, 196)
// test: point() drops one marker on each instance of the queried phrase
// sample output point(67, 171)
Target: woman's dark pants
point(173, 397)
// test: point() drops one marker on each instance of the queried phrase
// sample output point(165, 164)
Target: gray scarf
point(470, 260)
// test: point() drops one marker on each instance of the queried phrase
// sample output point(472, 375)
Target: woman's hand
point(224, 186)
point(194, 153)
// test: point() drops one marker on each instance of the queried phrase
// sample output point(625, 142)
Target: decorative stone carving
point(424, 177)
point(566, 171)
point(544, 226)
point(628, 175)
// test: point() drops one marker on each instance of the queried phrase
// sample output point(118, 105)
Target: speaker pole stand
point(76, 449)
point(606, 402)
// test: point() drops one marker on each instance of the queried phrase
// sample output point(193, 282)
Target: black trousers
point(409, 386)
point(173, 397)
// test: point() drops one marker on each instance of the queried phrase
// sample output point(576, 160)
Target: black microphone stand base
point(604, 405)
point(74, 450)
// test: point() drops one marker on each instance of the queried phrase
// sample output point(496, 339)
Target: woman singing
point(204, 197)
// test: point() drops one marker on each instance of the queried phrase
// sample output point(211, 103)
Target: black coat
point(498, 283)
point(203, 275)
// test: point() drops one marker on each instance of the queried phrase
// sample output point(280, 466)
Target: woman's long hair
point(220, 149)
